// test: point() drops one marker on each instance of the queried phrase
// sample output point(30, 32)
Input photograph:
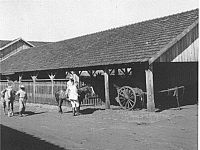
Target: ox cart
point(128, 97)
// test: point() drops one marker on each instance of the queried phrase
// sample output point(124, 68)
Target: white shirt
point(21, 93)
point(69, 83)
point(73, 92)
point(8, 94)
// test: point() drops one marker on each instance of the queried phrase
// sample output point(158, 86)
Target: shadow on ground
point(160, 109)
point(87, 111)
point(30, 113)
point(12, 139)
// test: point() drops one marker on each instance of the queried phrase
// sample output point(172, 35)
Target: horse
point(60, 96)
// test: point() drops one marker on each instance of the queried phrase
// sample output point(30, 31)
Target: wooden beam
point(149, 88)
point(51, 76)
point(91, 72)
point(123, 71)
point(20, 79)
point(106, 81)
point(110, 71)
point(79, 73)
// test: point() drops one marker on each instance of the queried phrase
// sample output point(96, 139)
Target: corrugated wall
point(185, 50)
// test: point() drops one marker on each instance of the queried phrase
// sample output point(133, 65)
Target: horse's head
point(60, 94)
point(92, 91)
point(87, 90)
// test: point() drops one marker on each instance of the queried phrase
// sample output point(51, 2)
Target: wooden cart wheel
point(127, 97)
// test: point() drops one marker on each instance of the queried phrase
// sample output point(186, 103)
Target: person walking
point(21, 93)
point(72, 92)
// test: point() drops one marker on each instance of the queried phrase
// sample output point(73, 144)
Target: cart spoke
point(123, 101)
point(132, 102)
point(127, 104)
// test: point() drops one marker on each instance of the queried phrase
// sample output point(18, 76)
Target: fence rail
point(43, 91)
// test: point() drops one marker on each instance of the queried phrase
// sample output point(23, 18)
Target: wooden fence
point(42, 92)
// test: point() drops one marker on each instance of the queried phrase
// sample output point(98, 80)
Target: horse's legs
point(60, 105)
point(4, 107)
point(8, 108)
point(12, 112)
point(78, 109)
point(73, 107)
point(57, 100)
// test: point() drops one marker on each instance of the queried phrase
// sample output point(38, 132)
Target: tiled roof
point(38, 43)
point(4, 42)
point(132, 43)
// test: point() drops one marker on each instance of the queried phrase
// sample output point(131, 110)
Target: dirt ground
point(100, 129)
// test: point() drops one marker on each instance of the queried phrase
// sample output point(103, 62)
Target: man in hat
point(22, 100)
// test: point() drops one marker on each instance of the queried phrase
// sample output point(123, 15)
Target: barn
point(155, 55)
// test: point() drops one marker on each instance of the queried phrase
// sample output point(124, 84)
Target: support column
point(20, 80)
point(34, 89)
point(52, 77)
point(149, 88)
point(106, 80)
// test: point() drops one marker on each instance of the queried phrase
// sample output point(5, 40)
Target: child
point(22, 100)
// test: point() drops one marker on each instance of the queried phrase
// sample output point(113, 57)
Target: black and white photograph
point(99, 74)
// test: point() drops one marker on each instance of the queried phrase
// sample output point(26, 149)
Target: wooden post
point(20, 80)
point(106, 80)
point(34, 90)
point(149, 88)
point(52, 77)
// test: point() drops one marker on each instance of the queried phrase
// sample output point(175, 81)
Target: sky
point(56, 20)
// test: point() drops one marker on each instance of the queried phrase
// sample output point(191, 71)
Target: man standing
point(72, 92)
point(22, 100)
